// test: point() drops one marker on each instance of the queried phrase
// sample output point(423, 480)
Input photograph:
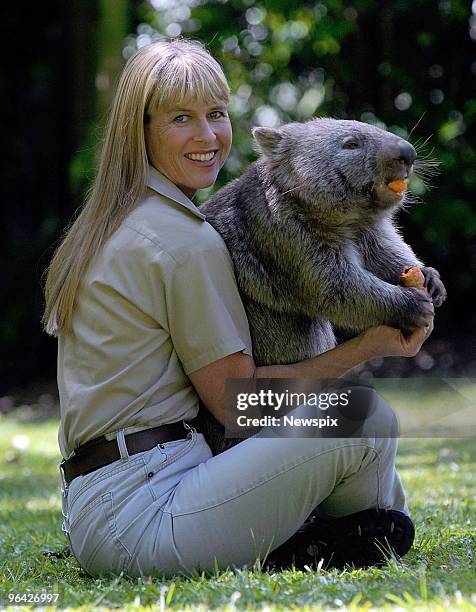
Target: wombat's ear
point(267, 141)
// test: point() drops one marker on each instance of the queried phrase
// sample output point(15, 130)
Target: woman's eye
point(217, 114)
point(181, 119)
point(350, 143)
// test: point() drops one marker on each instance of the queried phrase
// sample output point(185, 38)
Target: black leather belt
point(100, 452)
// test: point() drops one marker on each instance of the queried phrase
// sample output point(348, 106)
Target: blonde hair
point(158, 76)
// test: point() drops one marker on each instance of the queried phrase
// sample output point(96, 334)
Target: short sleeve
point(206, 317)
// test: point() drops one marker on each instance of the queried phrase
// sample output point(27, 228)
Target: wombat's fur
point(309, 228)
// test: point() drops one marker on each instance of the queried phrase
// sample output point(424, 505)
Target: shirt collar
point(161, 184)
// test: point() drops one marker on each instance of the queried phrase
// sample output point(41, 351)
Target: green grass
point(438, 573)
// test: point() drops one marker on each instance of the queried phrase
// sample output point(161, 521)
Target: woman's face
point(189, 144)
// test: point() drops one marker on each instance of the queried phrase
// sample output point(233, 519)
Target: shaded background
point(396, 64)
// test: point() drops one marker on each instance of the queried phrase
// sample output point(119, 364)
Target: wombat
point(310, 230)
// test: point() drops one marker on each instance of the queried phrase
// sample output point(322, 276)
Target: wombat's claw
point(437, 297)
point(418, 312)
point(435, 287)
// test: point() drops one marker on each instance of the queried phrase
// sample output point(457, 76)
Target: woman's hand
point(385, 341)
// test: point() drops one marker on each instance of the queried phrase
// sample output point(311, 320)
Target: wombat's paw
point(418, 310)
point(434, 285)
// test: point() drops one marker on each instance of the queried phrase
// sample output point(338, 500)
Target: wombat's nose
point(407, 152)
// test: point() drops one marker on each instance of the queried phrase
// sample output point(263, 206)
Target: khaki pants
point(176, 508)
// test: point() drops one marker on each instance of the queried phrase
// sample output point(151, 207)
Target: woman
point(142, 297)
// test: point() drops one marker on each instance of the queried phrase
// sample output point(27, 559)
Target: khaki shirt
point(158, 302)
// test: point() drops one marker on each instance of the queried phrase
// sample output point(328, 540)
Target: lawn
point(438, 573)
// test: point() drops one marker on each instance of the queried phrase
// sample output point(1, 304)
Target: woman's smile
point(203, 158)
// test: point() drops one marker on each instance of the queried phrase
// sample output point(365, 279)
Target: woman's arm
point(381, 341)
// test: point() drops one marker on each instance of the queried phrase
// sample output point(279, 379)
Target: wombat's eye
point(350, 143)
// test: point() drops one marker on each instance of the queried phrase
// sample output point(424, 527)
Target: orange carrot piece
point(412, 277)
point(397, 186)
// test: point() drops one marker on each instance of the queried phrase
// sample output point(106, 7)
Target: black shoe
point(363, 539)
